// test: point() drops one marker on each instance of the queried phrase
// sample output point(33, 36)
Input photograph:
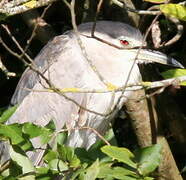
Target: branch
point(131, 87)
point(140, 12)
point(17, 7)
point(85, 128)
point(71, 6)
point(5, 70)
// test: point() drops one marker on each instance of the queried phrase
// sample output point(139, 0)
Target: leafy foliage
point(100, 161)
point(174, 10)
point(6, 114)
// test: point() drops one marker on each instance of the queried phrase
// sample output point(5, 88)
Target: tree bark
point(148, 131)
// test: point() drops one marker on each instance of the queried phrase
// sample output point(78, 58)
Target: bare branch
point(72, 11)
point(85, 128)
point(34, 29)
point(178, 35)
point(17, 7)
point(17, 44)
point(95, 19)
point(5, 70)
point(140, 12)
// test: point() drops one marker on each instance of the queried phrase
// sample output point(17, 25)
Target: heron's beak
point(149, 56)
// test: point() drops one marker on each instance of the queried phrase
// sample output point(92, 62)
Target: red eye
point(124, 42)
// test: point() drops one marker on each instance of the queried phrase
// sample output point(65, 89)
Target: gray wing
point(58, 62)
point(44, 59)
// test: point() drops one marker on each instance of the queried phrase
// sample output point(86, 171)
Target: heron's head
point(127, 39)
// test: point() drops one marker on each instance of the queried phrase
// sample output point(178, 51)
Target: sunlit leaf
point(148, 159)
point(148, 178)
point(77, 173)
point(75, 162)
point(173, 73)
point(120, 154)
point(42, 170)
point(33, 131)
point(44, 173)
point(62, 137)
point(22, 160)
point(92, 171)
point(50, 155)
point(27, 177)
point(58, 165)
point(7, 114)
point(174, 10)
point(30, 4)
point(106, 171)
point(14, 133)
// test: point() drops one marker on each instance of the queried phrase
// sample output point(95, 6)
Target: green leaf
point(94, 152)
point(77, 173)
point(34, 131)
point(14, 133)
point(22, 160)
point(51, 125)
point(3, 16)
point(44, 173)
point(120, 154)
point(92, 171)
point(75, 162)
point(83, 155)
point(57, 165)
point(148, 178)
point(50, 155)
point(65, 153)
point(175, 10)
point(106, 171)
point(42, 170)
point(173, 73)
point(62, 137)
point(7, 114)
point(156, 1)
point(109, 136)
point(27, 177)
point(148, 159)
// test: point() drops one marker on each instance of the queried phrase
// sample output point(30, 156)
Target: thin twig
point(72, 6)
point(5, 70)
point(85, 127)
point(95, 19)
point(5, 166)
point(178, 35)
point(34, 29)
point(17, 44)
point(16, 7)
point(111, 44)
point(140, 12)
point(134, 62)
point(135, 86)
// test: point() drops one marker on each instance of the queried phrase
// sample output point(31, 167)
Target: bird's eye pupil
point(124, 42)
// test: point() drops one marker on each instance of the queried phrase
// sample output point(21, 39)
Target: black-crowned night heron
point(64, 64)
